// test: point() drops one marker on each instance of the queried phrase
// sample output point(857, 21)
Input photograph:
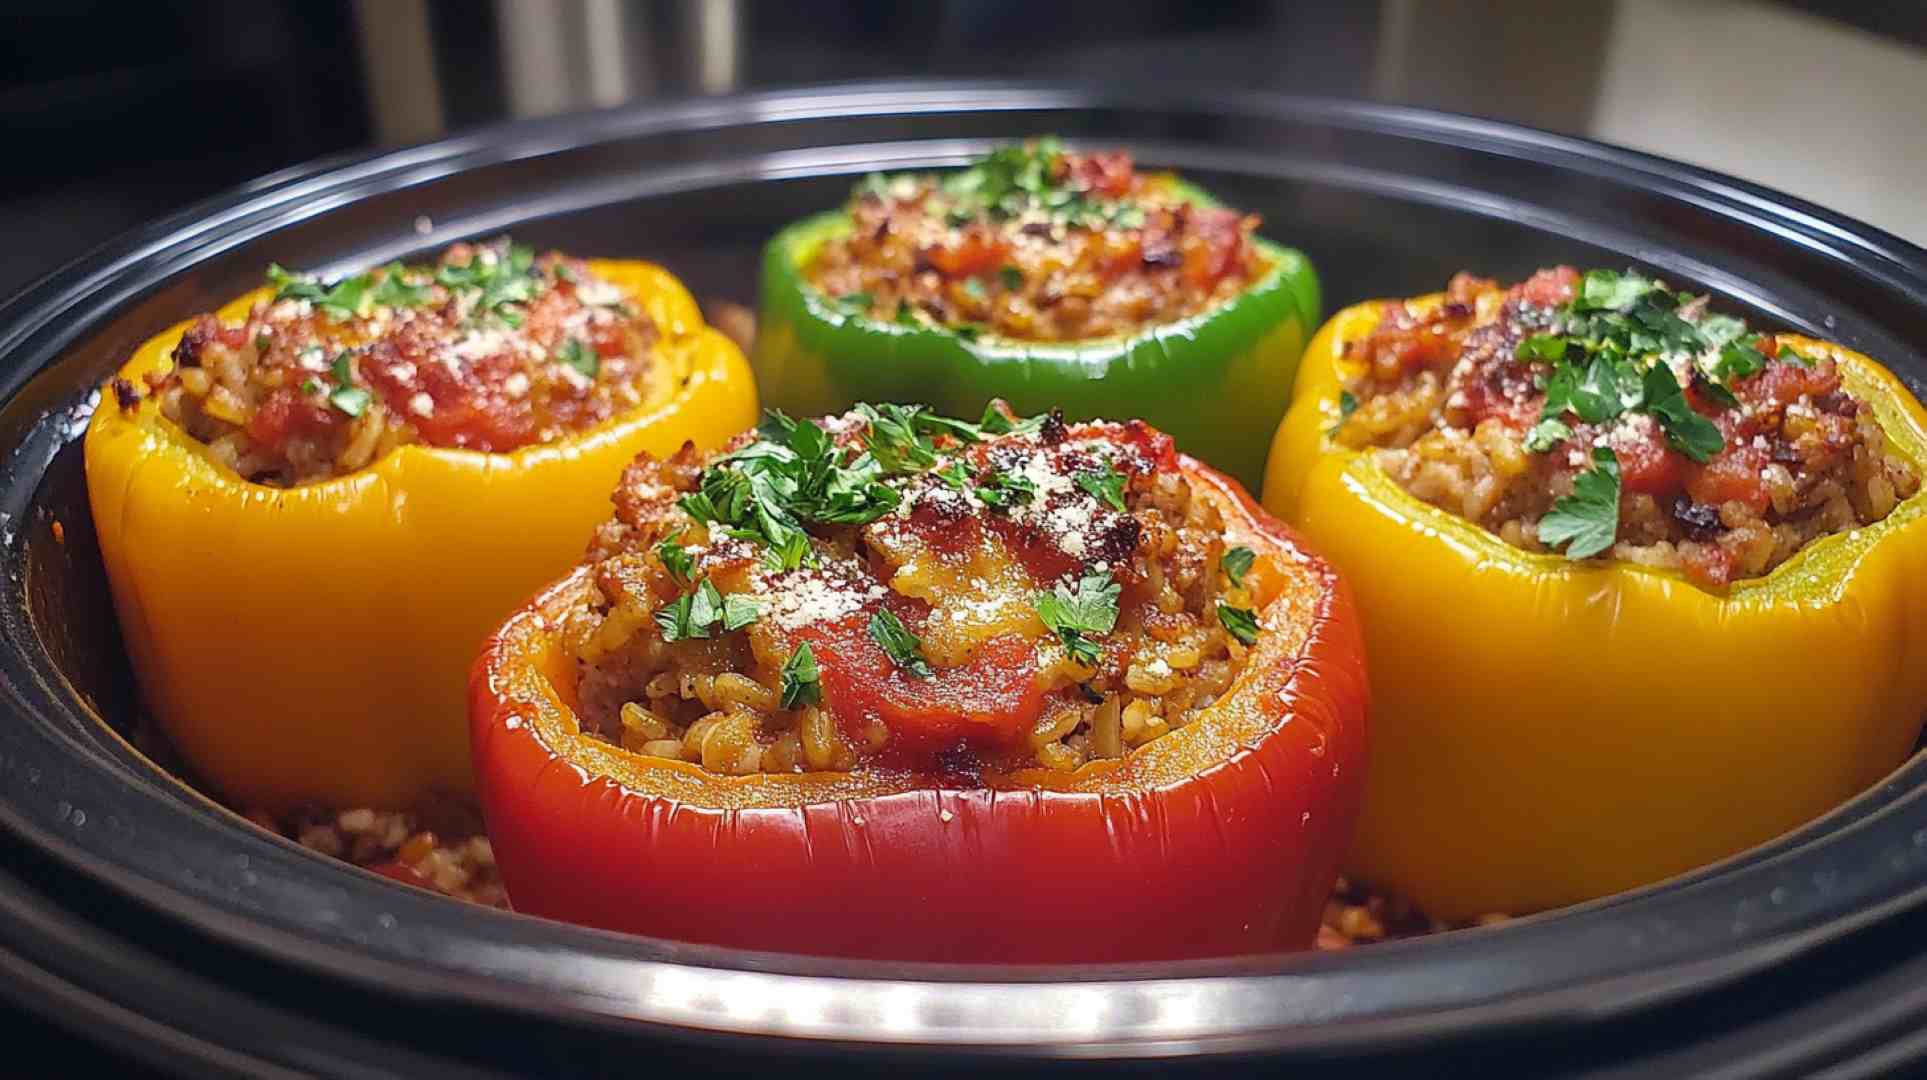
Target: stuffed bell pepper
point(1642, 587)
point(899, 686)
point(1053, 279)
point(315, 503)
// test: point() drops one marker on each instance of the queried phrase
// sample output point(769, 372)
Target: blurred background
point(122, 112)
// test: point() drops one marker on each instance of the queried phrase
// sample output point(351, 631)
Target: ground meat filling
point(1043, 597)
point(491, 349)
point(1533, 410)
point(1036, 244)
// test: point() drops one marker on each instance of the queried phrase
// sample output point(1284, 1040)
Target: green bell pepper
point(1217, 381)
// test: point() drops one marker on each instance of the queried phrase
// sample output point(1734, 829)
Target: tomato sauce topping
point(491, 349)
point(1036, 243)
point(1725, 450)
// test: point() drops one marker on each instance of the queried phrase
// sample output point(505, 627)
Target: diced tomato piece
point(1648, 466)
point(1213, 245)
point(1549, 288)
point(1735, 475)
point(1709, 563)
point(470, 404)
point(285, 414)
point(396, 870)
point(1784, 384)
point(1106, 174)
point(990, 701)
point(976, 253)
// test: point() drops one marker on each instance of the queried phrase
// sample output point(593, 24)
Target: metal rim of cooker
point(1608, 958)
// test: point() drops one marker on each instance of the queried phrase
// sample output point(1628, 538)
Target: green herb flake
point(393, 290)
point(904, 648)
point(1003, 490)
point(1606, 290)
point(677, 560)
point(1546, 434)
point(802, 683)
point(705, 606)
point(345, 396)
point(1347, 405)
point(1011, 277)
point(954, 476)
point(1077, 616)
point(906, 314)
point(352, 400)
point(1688, 432)
point(675, 620)
point(740, 610)
point(1104, 484)
point(1241, 623)
point(998, 422)
point(897, 439)
point(1549, 348)
point(1587, 520)
point(581, 356)
point(1236, 563)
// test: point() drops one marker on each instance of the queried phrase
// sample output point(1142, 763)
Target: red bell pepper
point(1221, 837)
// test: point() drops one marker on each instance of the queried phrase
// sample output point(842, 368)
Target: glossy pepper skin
point(1218, 381)
point(1549, 731)
point(1219, 838)
point(312, 644)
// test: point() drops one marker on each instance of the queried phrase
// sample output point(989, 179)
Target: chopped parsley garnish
point(1241, 623)
point(677, 560)
point(581, 356)
point(1104, 484)
point(1605, 290)
point(1546, 434)
point(506, 281)
point(896, 438)
point(904, 648)
point(1012, 277)
point(1587, 520)
point(802, 684)
point(996, 422)
point(740, 610)
point(393, 290)
point(1236, 563)
point(695, 613)
point(954, 475)
point(1688, 432)
point(1003, 490)
point(346, 396)
point(791, 475)
point(1079, 616)
point(907, 314)
point(1613, 348)
point(1347, 405)
point(1021, 182)
point(344, 299)
point(498, 283)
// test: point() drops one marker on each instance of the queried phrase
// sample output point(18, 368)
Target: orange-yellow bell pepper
point(312, 644)
point(1548, 731)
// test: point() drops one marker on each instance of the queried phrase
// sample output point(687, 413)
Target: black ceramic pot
point(139, 912)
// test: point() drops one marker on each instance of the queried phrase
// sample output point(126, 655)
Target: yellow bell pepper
point(1547, 731)
point(312, 644)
